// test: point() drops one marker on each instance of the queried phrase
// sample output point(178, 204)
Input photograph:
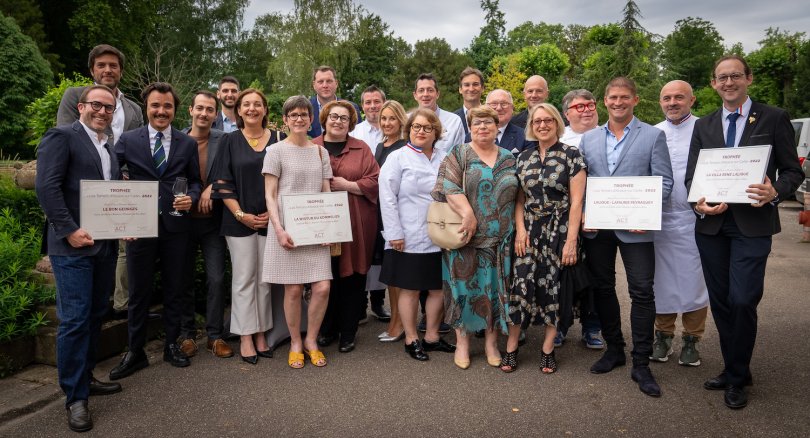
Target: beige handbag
point(443, 222)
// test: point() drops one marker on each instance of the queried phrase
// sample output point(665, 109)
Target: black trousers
point(639, 264)
point(346, 298)
point(204, 234)
point(169, 249)
point(734, 268)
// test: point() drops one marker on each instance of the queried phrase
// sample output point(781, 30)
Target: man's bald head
point(535, 90)
point(676, 100)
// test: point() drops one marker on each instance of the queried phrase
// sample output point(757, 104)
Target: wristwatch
point(239, 214)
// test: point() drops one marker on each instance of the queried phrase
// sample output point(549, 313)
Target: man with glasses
point(426, 95)
point(509, 137)
point(579, 108)
point(535, 91)
point(625, 146)
point(84, 268)
point(470, 87)
point(734, 240)
point(324, 82)
point(106, 64)
point(227, 93)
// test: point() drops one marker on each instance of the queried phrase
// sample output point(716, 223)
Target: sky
point(458, 21)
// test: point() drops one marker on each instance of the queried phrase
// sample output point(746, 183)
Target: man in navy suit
point(206, 219)
point(625, 146)
point(84, 268)
point(509, 137)
point(470, 86)
point(158, 152)
point(227, 93)
point(324, 82)
point(734, 240)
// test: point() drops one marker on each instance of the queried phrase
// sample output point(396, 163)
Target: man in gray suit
point(625, 146)
point(106, 64)
point(206, 219)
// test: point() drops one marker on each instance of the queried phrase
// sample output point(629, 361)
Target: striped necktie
point(159, 155)
point(731, 132)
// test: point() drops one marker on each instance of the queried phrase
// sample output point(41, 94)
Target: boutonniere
point(751, 120)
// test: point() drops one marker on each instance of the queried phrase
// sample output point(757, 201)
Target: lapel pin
point(751, 120)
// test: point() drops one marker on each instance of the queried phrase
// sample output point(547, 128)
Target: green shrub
point(42, 112)
point(19, 294)
point(22, 204)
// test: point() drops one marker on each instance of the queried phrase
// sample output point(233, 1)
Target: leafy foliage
point(488, 43)
point(689, 52)
point(19, 250)
point(42, 111)
point(24, 75)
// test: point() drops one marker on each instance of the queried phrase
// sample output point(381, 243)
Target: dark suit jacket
point(69, 111)
point(765, 125)
point(644, 153)
point(133, 151)
point(514, 138)
point(520, 118)
point(316, 130)
point(65, 156)
point(460, 112)
point(213, 148)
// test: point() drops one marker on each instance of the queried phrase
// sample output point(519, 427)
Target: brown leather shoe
point(220, 348)
point(188, 347)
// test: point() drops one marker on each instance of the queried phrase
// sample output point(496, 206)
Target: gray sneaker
point(662, 347)
point(689, 354)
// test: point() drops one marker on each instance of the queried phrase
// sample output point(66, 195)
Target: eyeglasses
point(335, 117)
point(427, 129)
point(539, 122)
point(735, 77)
point(97, 106)
point(581, 107)
point(494, 105)
point(485, 122)
point(297, 116)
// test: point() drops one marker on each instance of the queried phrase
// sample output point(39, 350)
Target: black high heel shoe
point(253, 360)
point(548, 364)
point(266, 353)
point(509, 361)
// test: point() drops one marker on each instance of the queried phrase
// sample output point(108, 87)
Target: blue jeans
point(83, 286)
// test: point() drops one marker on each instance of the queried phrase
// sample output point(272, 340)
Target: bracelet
point(239, 214)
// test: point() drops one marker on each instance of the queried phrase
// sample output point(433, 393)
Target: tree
point(799, 99)
point(489, 42)
point(24, 76)
point(774, 66)
point(28, 15)
point(510, 72)
point(533, 34)
point(689, 52)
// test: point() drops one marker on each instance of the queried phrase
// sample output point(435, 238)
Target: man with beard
point(106, 64)
point(226, 93)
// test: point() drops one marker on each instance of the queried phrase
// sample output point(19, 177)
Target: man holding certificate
point(734, 240)
point(84, 268)
point(625, 147)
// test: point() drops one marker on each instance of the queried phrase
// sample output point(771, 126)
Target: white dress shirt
point(103, 153)
point(406, 180)
point(570, 137)
point(368, 133)
point(118, 119)
point(166, 141)
point(741, 121)
point(453, 132)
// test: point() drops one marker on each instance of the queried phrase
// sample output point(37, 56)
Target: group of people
point(517, 182)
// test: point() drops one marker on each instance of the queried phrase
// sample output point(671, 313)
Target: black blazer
point(514, 138)
point(65, 156)
point(520, 119)
point(133, 151)
point(765, 125)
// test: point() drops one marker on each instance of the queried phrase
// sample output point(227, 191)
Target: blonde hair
point(399, 113)
point(552, 111)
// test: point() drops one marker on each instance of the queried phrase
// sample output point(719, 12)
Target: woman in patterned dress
point(547, 215)
point(297, 166)
point(478, 181)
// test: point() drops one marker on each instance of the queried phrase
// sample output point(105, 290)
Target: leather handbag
point(336, 248)
point(804, 218)
point(443, 223)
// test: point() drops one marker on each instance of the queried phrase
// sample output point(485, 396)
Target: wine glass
point(180, 188)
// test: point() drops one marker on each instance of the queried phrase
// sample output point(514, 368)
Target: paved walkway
point(378, 391)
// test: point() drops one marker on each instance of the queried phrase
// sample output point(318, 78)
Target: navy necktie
point(731, 132)
point(159, 155)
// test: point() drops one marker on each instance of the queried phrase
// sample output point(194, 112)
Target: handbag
point(335, 249)
point(443, 222)
point(804, 218)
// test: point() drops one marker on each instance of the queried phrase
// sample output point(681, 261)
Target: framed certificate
point(623, 203)
point(723, 174)
point(317, 218)
point(117, 209)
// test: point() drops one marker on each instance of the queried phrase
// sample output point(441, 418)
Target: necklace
point(254, 141)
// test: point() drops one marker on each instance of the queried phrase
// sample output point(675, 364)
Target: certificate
point(723, 174)
point(623, 203)
point(117, 209)
point(317, 218)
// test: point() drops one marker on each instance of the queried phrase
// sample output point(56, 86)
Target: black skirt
point(412, 270)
